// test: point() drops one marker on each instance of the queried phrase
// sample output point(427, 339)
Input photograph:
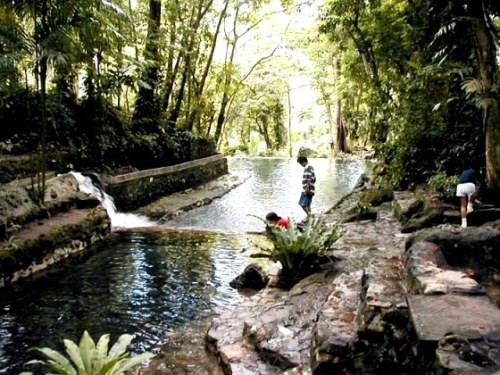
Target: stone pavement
point(448, 270)
point(314, 326)
point(355, 318)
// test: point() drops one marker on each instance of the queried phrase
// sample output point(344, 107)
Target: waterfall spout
point(118, 219)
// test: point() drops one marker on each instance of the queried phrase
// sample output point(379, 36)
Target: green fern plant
point(87, 358)
point(298, 251)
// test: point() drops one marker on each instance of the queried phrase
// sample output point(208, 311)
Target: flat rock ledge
point(170, 206)
point(377, 310)
point(446, 270)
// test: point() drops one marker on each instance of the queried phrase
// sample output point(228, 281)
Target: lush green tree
point(402, 68)
point(466, 45)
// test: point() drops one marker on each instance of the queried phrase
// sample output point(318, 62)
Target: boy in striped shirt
point(308, 181)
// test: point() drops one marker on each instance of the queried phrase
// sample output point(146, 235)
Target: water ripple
point(155, 284)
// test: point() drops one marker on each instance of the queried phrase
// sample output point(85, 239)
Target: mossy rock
point(357, 213)
point(376, 196)
point(414, 210)
point(427, 218)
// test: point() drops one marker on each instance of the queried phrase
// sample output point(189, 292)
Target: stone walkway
point(276, 331)
point(380, 309)
point(352, 317)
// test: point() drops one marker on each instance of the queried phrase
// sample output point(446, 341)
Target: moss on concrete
point(21, 259)
point(132, 194)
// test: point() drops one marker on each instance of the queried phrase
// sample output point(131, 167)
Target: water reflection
point(155, 285)
point(273, 185)
point(146, 284)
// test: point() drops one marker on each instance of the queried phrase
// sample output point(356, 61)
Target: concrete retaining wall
point(133, 190)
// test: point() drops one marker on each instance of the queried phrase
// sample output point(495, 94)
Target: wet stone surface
point(332, 315)
point(173, 205)
point(356, 318)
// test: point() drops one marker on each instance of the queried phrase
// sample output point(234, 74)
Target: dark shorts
point(305, 200)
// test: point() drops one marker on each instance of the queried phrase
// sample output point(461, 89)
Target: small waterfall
point(118, 219)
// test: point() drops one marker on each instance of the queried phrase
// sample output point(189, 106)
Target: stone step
point(402, 202)
point(428, 274)
point(481, 215)
point(456, 334)
point(435, 316)
point(236, 355)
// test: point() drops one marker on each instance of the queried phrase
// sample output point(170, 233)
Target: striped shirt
point(308, 180)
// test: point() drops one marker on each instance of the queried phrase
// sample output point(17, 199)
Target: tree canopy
point(112, 82)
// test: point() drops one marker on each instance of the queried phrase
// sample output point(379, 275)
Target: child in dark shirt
point(465, 191)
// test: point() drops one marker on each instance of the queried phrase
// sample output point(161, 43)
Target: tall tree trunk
point(174, 115)
point(365, 49)
point(171, 69)
point(42, 73)
point(147, 113)
point(43, 138)
point(341, 144)
point(487, 66)
point(221, 116)
point(134, 32)
point(340, 124)
point(188, 55)
point(263, 127)
point(491, 123)
point(330, 119)
point(229, 78)
point(195, 115)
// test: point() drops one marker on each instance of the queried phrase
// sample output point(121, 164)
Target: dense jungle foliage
point(114, 85)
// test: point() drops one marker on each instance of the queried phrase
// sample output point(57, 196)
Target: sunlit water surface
point(272, 185)
point(163, 287)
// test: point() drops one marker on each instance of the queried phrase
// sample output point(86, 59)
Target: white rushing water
point(118, 219)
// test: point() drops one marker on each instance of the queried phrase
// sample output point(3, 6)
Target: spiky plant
point(87, 358)
point(298, 251)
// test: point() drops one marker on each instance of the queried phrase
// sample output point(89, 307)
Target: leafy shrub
point(234, 150)
point(426, 141)
point(91, 359)
point(299, 252)
point(444, 185)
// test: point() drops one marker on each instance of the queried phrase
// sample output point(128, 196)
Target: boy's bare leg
point(463, 210)
point(470, 203)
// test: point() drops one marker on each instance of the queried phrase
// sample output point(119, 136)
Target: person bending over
point(465, 191)
point(273, 219)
